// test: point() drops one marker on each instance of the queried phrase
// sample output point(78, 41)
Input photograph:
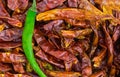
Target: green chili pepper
point(27, 39)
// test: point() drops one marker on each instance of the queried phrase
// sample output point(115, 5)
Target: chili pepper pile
point(59, 38)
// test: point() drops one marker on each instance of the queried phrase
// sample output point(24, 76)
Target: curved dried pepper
point(116, 34)
point(98, 74)
point(71, 13)
point(48, 4)
point(95, 39)
point(63, 74)
point(10, 34)
point(108, 5)
point(75, 33)
point(12, 58)
point(98, 59)
point(14, 75)
point(17, 5)
point(49, 59)
point(110, 47)
point(4, 15)
point(68, 58)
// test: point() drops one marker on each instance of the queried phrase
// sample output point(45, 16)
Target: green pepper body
point(27, 39)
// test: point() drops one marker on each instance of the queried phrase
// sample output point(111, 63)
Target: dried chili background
point(72, 38)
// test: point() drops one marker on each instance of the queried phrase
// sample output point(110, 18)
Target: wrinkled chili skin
point(17, 5)
point(4, 15)
point(4, 67)
point(68, 58)
point(49, 59)
point(14, 75)
point(48, 4)
point(75, 38)
point(12, 58)
point(109, 42)
point(10, 34)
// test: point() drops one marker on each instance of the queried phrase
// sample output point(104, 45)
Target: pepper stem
point(33, 8)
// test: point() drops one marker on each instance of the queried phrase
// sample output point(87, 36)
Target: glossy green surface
point(27, 39)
